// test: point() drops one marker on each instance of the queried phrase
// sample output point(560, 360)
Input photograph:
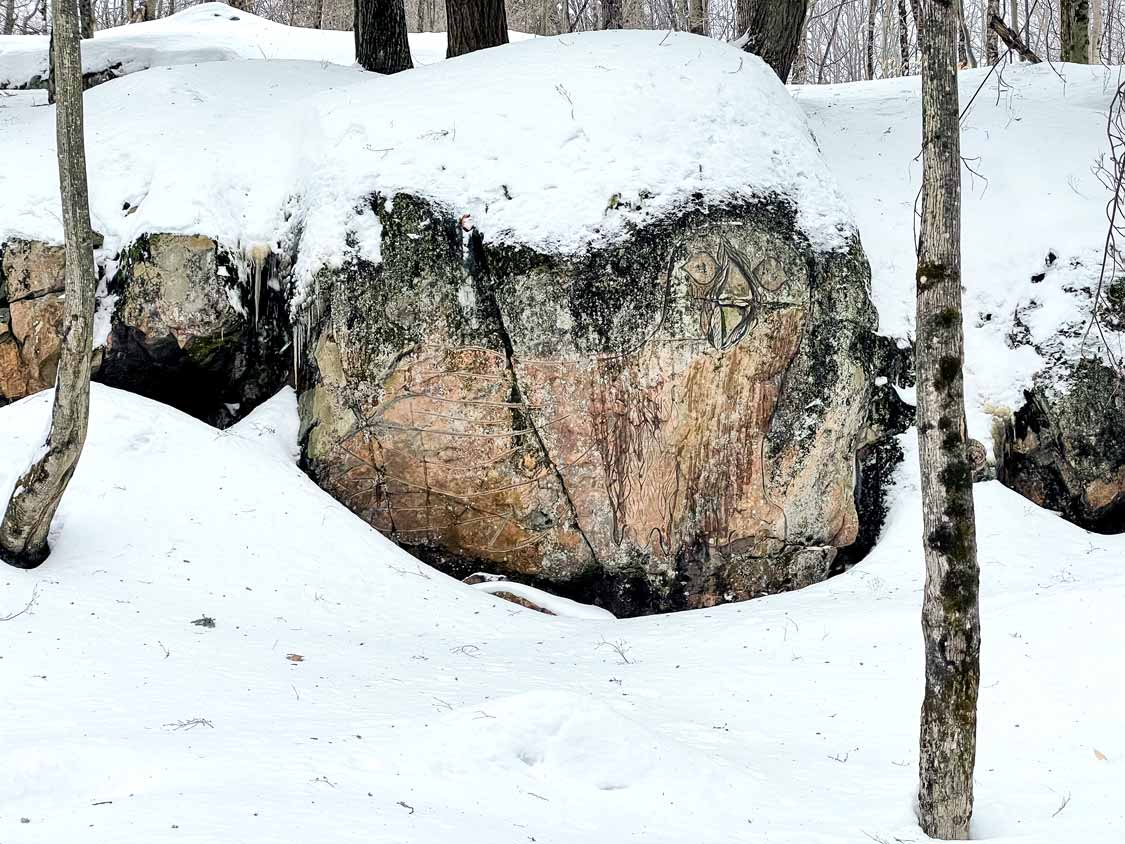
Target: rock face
point(1065, 448)
point(669, 422)
point(32, 287)
point(192, 324)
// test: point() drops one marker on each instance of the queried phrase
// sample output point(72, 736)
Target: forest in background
point(843, 40)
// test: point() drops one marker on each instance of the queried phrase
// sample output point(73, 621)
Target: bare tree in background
point(950, 606)
point(903, 39)
point(380, 36)
point(773, 30)
point(9, 17)
point(1074, 30)
point(86, 17)
point(36, 497)
point(475, 25)
point(991, 43)
point(611, 14)
point(1096, 25)
point(697, 18)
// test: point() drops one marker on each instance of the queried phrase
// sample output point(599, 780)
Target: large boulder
point(670, 421)
point(188, 322)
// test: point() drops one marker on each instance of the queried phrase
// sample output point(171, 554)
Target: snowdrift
point(347, 692)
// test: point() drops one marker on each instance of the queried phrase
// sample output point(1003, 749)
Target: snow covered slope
point(209, 32)
point(1031, 142)
point(348, 693)
point(551, 142)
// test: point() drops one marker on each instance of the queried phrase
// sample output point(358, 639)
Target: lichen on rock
point(667, 421)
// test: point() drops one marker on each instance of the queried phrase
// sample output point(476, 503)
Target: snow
point(209, 32)
point(422, 709)
point(1033, 137)
point(283, 152)
point(553, 603)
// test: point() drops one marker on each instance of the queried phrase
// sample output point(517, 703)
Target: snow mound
point(347, 692)
point(209, 32)
point(1034, 222)
point(274, 424)
point(552, 143)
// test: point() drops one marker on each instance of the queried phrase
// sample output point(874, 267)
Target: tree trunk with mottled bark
point(86, 17)
point(1074, 30)
point(1096, 23)
point(36, 497)
point(379, 28)
point(869, 45)
point(991, 43)
point(9, 17)
point(697, 23)
point(773, 30)
point(950, 609)
point(475, 25)
point(903, 40)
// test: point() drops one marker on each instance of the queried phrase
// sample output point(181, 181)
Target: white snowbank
point(534, 139)
point(1033, 140)
point(209, 32)
point(420, 710)
point(554, 603)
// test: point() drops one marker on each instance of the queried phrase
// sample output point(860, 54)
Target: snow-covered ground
point(209, 32)
point(1031, 141)
point(348, 693)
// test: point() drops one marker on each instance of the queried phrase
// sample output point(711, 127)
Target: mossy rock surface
point(666, 422)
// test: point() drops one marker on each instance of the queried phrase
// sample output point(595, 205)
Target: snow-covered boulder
point(669, 420)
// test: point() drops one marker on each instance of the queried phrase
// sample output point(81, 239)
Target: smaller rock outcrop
point(1065, 448)
point(191, 324)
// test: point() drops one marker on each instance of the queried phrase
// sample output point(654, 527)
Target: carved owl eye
point(701, 268)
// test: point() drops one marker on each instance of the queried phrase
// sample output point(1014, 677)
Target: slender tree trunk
point(381, 44)
point(919, 19)
point(950, 610)
point(9, 17)
point(968, 57)
point(869, 65)
point(475, 25)
point(903, 40)
point(696, 18)
point(774, 30)
point(1074, 30)
point(1096, 31)
point(86, 17)
point(991, 43)
point(23, 532)
point(800, 73)
point(612, 15)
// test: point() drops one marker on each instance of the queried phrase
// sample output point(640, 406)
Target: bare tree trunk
point(903, 40)
point(612, 17)
point(1074, 30)
point(800, 74)
point(696, 18)
point(968, 58)
point(9, 17)
point(1096, 31)
point(86, 17)
point(475, 25)
point(950, 609)
point(870, 43)
point(916, 9)
point(23, 532)
point(381, 44)
point(991, 43)
point(317, 14)
point(150, 10)
point(774, 30)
